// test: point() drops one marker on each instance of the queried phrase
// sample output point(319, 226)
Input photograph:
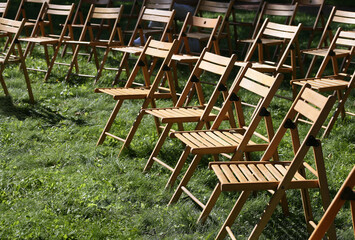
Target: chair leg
point(190, 171)
point(311, 66)
point(50, 67)
point(73, 62)
point(3, 84)
point(233, 214)
point(123, 62)
point(99, 71)
point(27, 79)
point(178, 167)
point(210, 204)
point(109, 122)
point(158, 146)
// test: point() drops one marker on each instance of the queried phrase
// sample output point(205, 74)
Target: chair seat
point(130, 93)
point(41, 40)
point(199, 35)
point(216, 141)
point(323, 52)
point(265, 41)
point(267, 66)
point(186, 58)
point(181, 114)
point(136, 50)
point(323, 84)
point(258, 175)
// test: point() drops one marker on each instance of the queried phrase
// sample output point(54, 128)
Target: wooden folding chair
point(336, 18)
point(279, 176)
point(29, 10)
point(80, 15)
point(222, 9)
point(310, 6)
point(13, 27)
point(166, 5)
point(341, 83)
point(345, 193)
point(211, 65)
point(142, 30)
point(279, 34)
point(241, 6)
point(151, 90)
point(235, 141)
point(89, 37)
point(4, 6)
point(273, 11)
point(191, 26)
point(41, 36)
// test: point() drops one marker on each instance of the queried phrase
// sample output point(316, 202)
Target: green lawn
point(56, 184)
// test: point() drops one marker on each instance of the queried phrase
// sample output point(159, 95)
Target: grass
point(55, 184)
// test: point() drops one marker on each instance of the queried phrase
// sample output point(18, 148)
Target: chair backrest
point(80, 14)
point(146, 17)
point(159, 4)
point(213, 64)
point(220, 8)
point(275, 31)
point(14, 28)
point(22, 11)
point(284, 11)
point(249, 6)
point(3, 8)
point(315, 108)
point(195, 23)
point(97, 15)
point(153, 49)
point(341, 39)
point(257, 86)
point(338, 17)
point(313, 4)
point(62, 13)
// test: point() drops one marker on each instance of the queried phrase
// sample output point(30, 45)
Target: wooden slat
point(260, 77)
point(210, 67)
point(279, 34)
point(254, 87)
point(307, 110)
point(156, 52)
point(256, 172)
point(248, 174)
point(217, 59)
point(266, 172)
point(219, 173)
point(274, 171)
point(314, 98)
point(229, 174)
point(238, 173)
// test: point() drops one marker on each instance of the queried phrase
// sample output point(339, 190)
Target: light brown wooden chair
point(274, 12)
point(252, 7)
point(39, 35)
point(89, 37)
point(345, 193)
point(80, 15)
point(234, 141)
point(341, 83)
point(141, 32)
point(29, 10)
point(309, 6)
point(279, 176)
point(210, 66)
point(336, 18)
point(278, 34)
point(4, 6)
point(166, 5)
point(150, 90)
point(222, 9)
point(7, 57)
point(191, 26)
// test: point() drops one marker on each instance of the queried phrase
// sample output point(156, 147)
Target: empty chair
point(273, 11)
point(340, 83)
point(279, 34)
point(319, 23)
point(241, 6)
point(44, 37)
point(336, 17)
point(4, 6)
point(90, 38)
point(279, 176)
point(140, 33)
point(220, 8)
point(149, 90)
point(14, 28)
